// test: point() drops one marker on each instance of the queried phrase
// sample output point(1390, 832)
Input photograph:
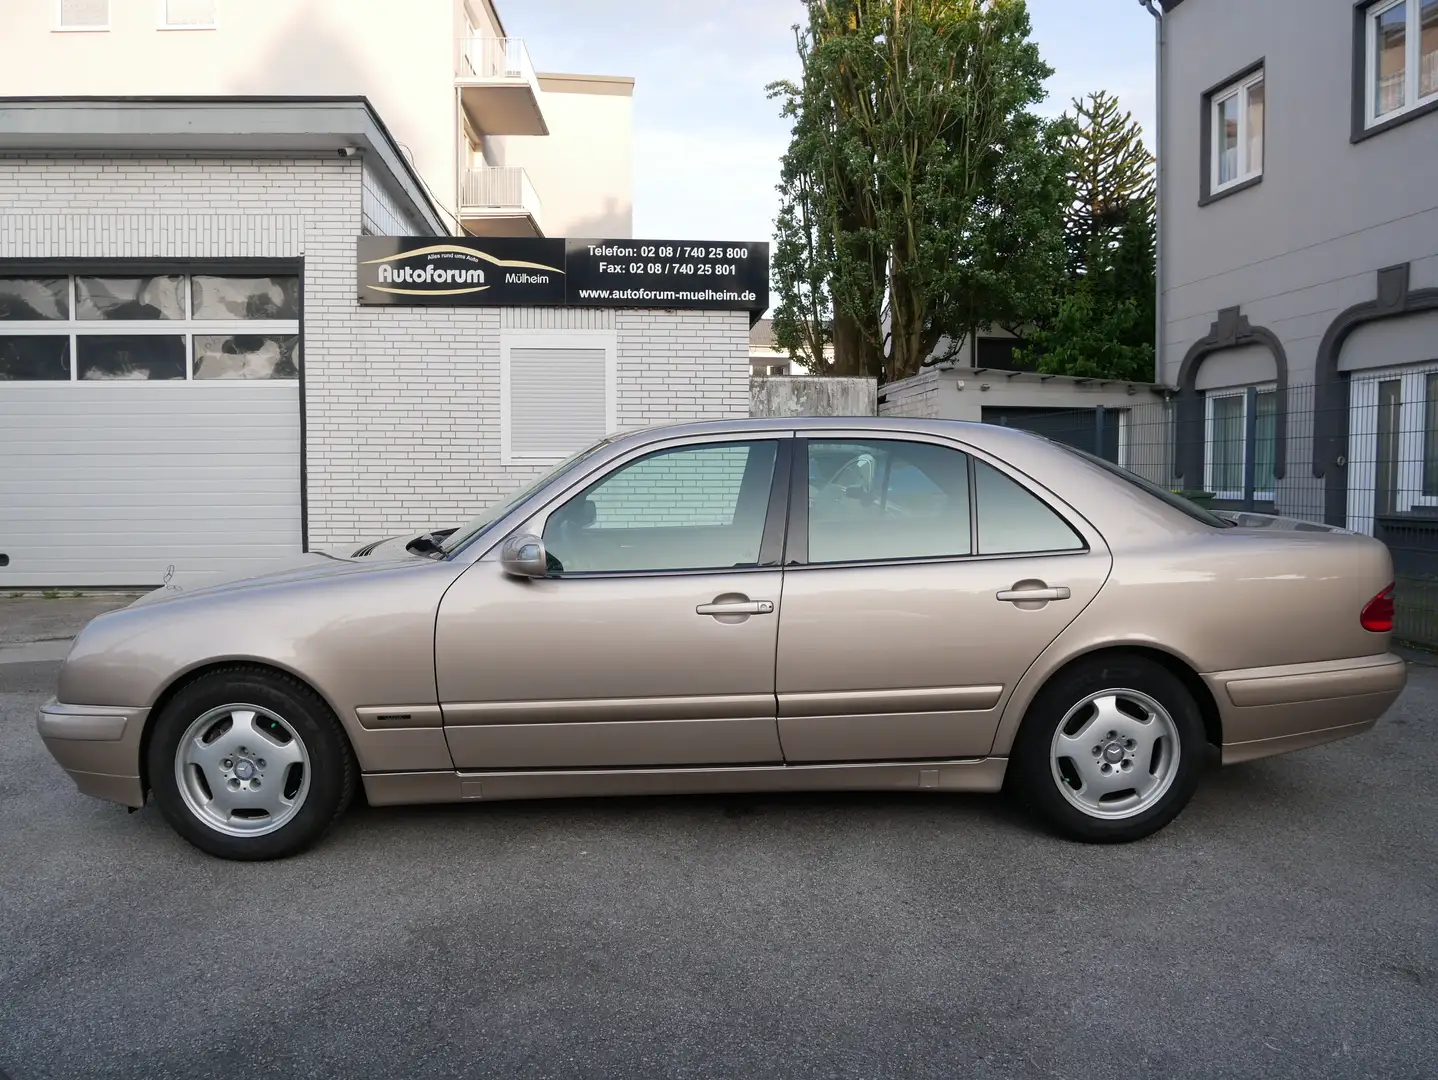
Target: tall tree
point(919, 196)
point(1103, 324)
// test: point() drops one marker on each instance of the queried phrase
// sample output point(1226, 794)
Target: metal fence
point(1365, 460)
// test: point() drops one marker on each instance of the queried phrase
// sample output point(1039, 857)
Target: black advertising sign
point(466, 271)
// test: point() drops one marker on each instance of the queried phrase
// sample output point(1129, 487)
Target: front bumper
point(1267, 711)
point(99, 746)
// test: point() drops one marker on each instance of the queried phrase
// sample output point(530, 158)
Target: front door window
point(690, 508)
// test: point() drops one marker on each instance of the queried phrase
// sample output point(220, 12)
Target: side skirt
point(393, 789)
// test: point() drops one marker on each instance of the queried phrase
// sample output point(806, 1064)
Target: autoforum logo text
point(691, 296)
point(438, 274)
point(436, 279)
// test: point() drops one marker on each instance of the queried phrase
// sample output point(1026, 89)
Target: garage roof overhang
point(229, 126)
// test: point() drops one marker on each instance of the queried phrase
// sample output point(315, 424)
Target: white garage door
point(132, 448)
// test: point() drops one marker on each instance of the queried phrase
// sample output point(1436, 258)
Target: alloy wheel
point(242, 770)
point(1115, 754)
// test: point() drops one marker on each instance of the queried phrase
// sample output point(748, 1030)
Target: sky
point(707, 140)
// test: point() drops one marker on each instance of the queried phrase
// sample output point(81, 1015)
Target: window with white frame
point(1402, 57)
point(82, 14)
point(148, 327)
point(556, 394)
point(1393, 442)
point(1236, 136)
point(1226, 442)
point(188, 14)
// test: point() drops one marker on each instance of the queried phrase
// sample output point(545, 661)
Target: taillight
point(1377, 614)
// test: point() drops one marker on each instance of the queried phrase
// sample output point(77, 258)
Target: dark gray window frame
point(1206, 194)
point(1361, 129)
point(1231, 330)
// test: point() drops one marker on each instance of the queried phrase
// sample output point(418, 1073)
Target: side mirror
point(524, 556)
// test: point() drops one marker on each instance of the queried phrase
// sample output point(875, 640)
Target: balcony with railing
point(498, 88)
point(499, 201)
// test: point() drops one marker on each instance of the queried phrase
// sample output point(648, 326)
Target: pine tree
point(1103, 322)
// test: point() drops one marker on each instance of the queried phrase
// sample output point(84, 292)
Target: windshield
point(1158, 491)
point(481, 524)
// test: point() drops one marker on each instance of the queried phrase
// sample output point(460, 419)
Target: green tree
point(1103, 321)
point(919, 196)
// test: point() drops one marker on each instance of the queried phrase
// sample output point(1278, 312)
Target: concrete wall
point(1305, 243)
point(963, 393)
point(583, 170)
point(403, 403)
point(802, 395)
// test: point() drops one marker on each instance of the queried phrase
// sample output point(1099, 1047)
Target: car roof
point(986, 434)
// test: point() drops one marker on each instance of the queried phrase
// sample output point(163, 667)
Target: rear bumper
point(99, 746)
point(1273, 710)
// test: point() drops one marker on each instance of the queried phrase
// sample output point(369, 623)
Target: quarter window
point(1013, 521)
point(1402, 58)
point(1236, 119)
point(691, 508)
point(151, 327)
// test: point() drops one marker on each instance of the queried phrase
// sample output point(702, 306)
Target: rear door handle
point(737, 607)
point(1018, 596)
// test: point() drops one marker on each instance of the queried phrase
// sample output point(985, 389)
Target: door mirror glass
point(524, 556)
point(690, 508)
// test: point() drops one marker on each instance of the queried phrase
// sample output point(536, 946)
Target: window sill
point(1359, 134)
point(1242, 185)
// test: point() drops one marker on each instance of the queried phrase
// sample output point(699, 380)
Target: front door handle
point(1018, 596)
point(737, 607)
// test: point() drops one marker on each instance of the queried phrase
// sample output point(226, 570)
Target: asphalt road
point(1285, 926)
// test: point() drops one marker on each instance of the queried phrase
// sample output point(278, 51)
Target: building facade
point(1299, 266)
point(501, 149)
point(191, 384)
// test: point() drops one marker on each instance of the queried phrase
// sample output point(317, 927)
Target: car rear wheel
point(1110, 751)
point(250, 765)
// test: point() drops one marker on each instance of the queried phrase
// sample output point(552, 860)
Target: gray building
point(1298, 289)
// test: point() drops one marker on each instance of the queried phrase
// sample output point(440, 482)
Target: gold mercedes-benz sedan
point(814, 604)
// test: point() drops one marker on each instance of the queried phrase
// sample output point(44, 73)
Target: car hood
point(386, 555)
point(1244, 519)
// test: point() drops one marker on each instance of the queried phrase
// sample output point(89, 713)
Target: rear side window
point(876, 500)
point(1014, 521)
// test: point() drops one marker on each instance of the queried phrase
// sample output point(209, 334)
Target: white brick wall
point(403, 410)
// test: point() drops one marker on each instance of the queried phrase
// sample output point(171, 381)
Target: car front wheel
point(247, 764)
point(1111, 750)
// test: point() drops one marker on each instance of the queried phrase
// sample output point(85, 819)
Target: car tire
point(243, 729)
point(1110, 750)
